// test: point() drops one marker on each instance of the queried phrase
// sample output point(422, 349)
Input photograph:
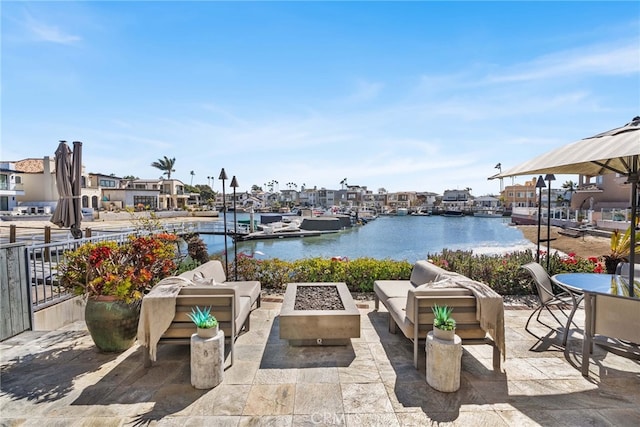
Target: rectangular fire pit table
point(319, 327)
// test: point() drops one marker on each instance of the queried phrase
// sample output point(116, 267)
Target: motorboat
point(420, 212)
point(488, 214)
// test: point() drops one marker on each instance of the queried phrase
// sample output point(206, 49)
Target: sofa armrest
point(425, 271)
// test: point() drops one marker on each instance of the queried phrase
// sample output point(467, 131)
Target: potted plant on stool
point(444, 326)
point(206, 323)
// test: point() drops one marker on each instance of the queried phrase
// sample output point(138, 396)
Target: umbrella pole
point(539, 185)
point(76, 231)
point(635, 181)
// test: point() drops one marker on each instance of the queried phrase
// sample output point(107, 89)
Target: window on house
point(108, 183)
point(149, 202)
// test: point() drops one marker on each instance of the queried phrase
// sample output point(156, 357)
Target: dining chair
point(622, 269)
point(549, 298)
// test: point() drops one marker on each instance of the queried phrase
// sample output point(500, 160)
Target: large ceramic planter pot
point(113, 325)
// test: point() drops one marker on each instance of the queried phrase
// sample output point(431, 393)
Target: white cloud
point(592, 60)
point(48, 33)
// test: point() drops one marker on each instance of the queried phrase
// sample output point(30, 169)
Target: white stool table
point(207, 360)
point(443, 363)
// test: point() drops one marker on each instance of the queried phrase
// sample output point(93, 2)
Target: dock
point(260, 235)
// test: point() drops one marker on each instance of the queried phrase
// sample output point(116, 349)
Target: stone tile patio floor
point(59, 379)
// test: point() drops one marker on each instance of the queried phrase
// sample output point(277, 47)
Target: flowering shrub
point(125, 271)
point(503, 273)
point(359, 274)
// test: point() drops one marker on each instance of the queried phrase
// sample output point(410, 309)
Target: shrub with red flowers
point(126, 271)
point(571, 263)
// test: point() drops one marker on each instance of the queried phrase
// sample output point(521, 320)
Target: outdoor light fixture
point(234, 185)
point(549, 177)
point(222, 177)
point(539, 185)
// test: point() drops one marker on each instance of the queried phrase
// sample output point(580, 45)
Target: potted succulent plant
point(444, 326)
point(113, 278)
point(206, 323)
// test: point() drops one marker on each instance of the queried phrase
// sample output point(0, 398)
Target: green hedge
point(359, 274)
point(501, 272)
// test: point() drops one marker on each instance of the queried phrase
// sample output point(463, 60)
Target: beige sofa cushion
point(385, 289)
point(396, 307)
point(249, 289)
point(424, 271)
point(211, 268)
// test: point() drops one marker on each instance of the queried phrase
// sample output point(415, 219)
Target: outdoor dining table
point(587, 286)
point(577, 284)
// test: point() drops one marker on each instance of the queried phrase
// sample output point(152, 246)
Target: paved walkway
point(58, 378)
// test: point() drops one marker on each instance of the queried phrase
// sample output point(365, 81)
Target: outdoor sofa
point(477, 309)
point(164, 314)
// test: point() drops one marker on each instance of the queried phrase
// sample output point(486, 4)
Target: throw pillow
point(203, 281)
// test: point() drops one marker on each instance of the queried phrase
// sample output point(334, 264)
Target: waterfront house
point(603, 199)
point(171, 192)
point(486, 202)
point(39, 190)
point(401, 199)
point(520, 195)
point(10, 186)
point(458, 200)
point(327, 198)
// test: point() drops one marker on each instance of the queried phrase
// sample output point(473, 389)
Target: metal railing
point(616, 214)
point(42, 268)
point(42, 261)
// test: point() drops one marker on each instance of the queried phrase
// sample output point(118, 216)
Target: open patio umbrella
point(614, 151)
point(68, 212)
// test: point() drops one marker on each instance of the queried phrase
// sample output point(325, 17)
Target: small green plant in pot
point(444, 326)
point(205, 322)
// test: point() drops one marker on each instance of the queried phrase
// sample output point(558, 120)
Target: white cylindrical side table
point(443, 363)
point(207, 361)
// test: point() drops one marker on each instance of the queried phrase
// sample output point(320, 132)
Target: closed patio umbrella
point(614, 151)
point(68, 175)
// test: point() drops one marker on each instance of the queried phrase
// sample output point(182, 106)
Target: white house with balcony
point(10, 186)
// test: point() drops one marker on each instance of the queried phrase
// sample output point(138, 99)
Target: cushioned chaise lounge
point(164, 317)
point(477, 309)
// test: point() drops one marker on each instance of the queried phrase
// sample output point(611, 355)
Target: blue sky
point(422, 96)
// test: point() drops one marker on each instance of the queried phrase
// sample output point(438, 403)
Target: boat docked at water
point(452, 213)
point(420, 212)
point(402, 211)
point(488, 214)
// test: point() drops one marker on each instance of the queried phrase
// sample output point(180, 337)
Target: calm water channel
point(396, 237)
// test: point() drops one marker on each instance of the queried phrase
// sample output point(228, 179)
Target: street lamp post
point(539, 185)
point(234, 185)
point(549, 177)
point(222, 177)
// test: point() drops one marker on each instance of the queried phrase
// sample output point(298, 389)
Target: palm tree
point(570, 187)
point(192, 174)
point(165, 165)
